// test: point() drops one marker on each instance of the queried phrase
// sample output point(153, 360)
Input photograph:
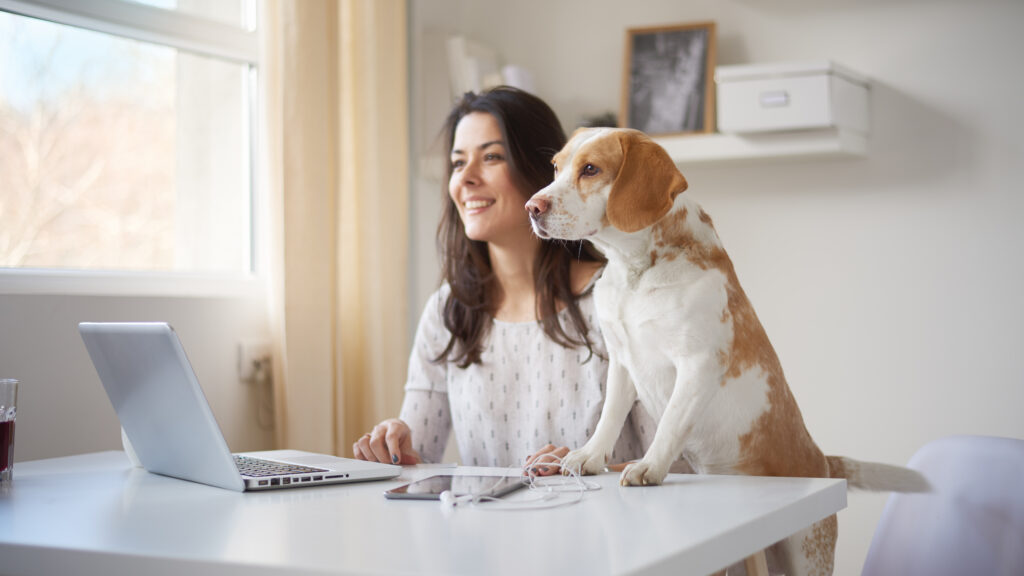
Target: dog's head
point(605, 177)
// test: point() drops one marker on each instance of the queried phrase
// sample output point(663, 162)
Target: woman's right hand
point(543, 461)
point(389, 442)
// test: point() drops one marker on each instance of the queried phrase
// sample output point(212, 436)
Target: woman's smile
point(477, 206)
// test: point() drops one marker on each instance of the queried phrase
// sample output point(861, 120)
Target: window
point(126, 136)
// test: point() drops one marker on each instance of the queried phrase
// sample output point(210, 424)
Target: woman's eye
point(492, 156)
point(589, 170)
point(458, 164)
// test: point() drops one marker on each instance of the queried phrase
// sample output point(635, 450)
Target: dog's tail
point(877, 477)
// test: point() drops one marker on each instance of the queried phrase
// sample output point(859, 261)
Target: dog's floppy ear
point(647, 184)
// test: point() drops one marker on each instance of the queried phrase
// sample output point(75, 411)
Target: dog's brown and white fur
point(682, 335)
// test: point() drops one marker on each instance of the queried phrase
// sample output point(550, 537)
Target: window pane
point(117, 154)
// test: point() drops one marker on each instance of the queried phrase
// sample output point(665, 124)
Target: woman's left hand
point(543, 462)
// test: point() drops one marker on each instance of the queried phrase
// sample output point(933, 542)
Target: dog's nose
point(537, 206)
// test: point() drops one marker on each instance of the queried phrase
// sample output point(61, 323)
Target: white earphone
point(449, 500)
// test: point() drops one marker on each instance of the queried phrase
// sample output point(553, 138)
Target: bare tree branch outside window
point(102, 166)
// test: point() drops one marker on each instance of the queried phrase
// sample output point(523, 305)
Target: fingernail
point(394, 458)
point(543, 468)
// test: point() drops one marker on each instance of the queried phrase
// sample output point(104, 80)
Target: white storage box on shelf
point(775, 111)
point(794, 96)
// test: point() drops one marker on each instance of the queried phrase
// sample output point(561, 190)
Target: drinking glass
point(8, 411)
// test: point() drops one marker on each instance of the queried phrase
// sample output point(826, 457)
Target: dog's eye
point(589, 170)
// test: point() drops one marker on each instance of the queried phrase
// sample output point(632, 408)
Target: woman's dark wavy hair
point(532, 135)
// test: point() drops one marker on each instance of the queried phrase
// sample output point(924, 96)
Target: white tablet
point(430, 488)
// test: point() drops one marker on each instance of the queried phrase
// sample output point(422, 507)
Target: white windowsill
point(37, 282)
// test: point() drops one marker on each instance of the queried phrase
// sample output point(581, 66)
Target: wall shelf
point(725, 148)
point(707, 148)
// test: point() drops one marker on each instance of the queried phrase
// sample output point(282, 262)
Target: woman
point(507, 351)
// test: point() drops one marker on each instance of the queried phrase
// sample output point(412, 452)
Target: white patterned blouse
point(527, 391)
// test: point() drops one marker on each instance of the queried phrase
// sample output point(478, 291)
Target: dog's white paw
point(584, 461)
point(643, 473)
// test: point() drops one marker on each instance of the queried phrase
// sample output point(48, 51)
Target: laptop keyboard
point(249, 466)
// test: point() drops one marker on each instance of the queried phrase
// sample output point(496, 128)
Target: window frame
point(147, 24)
point(183, 31)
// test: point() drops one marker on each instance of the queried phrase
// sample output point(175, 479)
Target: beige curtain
point(336, 144)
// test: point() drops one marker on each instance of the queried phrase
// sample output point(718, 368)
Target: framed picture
point(668, 84)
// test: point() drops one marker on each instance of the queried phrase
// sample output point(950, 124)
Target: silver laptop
point(165, 415)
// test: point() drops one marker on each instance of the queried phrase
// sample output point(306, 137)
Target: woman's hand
point(389, 442)
point(540, 462)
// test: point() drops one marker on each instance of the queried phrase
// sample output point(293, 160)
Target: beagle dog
point(682, 336)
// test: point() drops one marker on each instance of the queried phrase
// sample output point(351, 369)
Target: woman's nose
point(470, 173)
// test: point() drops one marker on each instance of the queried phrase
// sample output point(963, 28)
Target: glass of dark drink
point(8, 412)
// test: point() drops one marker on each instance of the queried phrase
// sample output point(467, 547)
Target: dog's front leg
point(690, 396)
point(620, 394)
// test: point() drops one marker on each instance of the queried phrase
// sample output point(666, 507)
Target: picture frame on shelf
point(668, 83)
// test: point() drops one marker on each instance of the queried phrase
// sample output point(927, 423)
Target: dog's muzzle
point(537, 207)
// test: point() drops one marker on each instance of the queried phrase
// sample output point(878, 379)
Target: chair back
point(972, 522)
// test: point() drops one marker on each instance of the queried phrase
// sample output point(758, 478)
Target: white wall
point(889, 285)
point(62, 408)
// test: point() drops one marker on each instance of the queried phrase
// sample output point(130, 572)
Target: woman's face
point(490, 205)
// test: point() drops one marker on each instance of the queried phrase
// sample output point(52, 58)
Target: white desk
point(93, 514)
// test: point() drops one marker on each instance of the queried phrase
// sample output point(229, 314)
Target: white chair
point(971, 523)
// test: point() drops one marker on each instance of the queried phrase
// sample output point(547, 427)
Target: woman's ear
point(646, 185)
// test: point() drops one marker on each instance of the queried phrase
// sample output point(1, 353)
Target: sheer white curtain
point(336, 145)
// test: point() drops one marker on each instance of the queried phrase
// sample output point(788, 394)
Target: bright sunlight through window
point(118, 154)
